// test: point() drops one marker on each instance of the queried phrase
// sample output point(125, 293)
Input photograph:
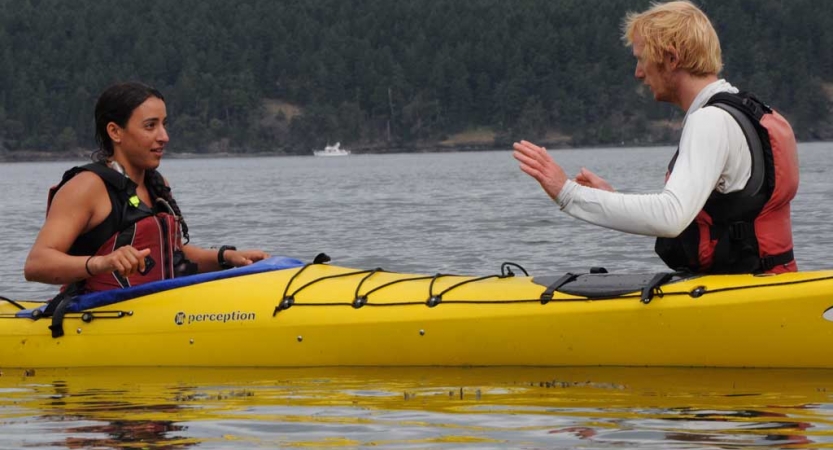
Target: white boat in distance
point(332, 150)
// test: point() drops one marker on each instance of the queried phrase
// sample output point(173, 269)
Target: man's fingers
point(530, 150)
point(537, 163)
point(589, 175)
point(531, 172)
point(590, 179)
point(523, 158)
point(531, 146)
point(530, 158)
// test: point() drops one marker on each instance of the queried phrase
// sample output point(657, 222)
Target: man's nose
point(639, 73)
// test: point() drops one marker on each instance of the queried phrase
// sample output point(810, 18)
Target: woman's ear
point(114, 131)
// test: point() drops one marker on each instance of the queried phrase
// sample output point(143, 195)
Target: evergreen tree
point(384, 73)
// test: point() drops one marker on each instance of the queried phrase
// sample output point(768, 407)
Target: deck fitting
point(697, 292)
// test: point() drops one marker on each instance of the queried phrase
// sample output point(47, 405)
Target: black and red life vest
point(748, 231)
point(131, 222)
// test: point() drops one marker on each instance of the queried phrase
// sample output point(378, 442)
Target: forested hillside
point(286, 76)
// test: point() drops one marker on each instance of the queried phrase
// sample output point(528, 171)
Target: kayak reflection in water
point(129, 433)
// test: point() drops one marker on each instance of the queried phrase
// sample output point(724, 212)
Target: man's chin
point(661, 98)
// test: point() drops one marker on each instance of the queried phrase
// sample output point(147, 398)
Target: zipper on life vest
point(167, 264)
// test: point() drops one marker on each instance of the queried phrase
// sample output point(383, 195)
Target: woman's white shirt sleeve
point(713, 155)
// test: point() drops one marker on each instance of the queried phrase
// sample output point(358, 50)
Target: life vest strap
point(738, 231)
point(769, 262)
point(124, 238)
point(757, 175)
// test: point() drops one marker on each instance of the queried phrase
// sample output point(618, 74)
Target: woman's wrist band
point(87, 266)
point(221, 260)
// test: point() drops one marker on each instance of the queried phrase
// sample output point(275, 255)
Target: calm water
point(455, 213)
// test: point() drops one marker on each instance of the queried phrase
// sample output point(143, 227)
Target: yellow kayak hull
point(710, 321)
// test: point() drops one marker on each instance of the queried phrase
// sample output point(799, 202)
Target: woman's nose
point(163, 134)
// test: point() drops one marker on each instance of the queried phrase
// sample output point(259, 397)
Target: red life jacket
point(130, 222)
point(748, 231)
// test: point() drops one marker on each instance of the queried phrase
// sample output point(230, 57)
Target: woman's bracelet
point(87, 266)
point(221, 260)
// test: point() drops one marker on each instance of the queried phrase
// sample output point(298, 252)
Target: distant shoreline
point(36, 156)
point(80, 156)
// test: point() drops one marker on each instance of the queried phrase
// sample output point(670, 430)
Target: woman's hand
point(125, 260)
point(238, 258)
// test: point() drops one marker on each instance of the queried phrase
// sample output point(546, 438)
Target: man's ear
point(672, 59)
point(114, 131)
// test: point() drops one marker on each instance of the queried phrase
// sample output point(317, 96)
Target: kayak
point(283, 312)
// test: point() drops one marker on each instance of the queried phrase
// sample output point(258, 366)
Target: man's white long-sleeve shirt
point(713, 155)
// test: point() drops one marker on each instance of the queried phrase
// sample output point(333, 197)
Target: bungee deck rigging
point(594, 287)
point(362, 299)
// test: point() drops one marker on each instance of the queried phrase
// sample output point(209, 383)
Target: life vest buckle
point(739, 231)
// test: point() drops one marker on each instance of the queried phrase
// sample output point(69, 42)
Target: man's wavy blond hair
point(678, 27)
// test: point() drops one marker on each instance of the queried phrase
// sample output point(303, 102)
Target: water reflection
point(416, 407)
point(127, 434)
point(87, 409)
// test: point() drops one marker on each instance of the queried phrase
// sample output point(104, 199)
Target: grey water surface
point(463, 213)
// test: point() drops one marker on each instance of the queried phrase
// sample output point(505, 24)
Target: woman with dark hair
point(114, 223)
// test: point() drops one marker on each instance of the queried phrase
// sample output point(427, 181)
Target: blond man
point(725, 204)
